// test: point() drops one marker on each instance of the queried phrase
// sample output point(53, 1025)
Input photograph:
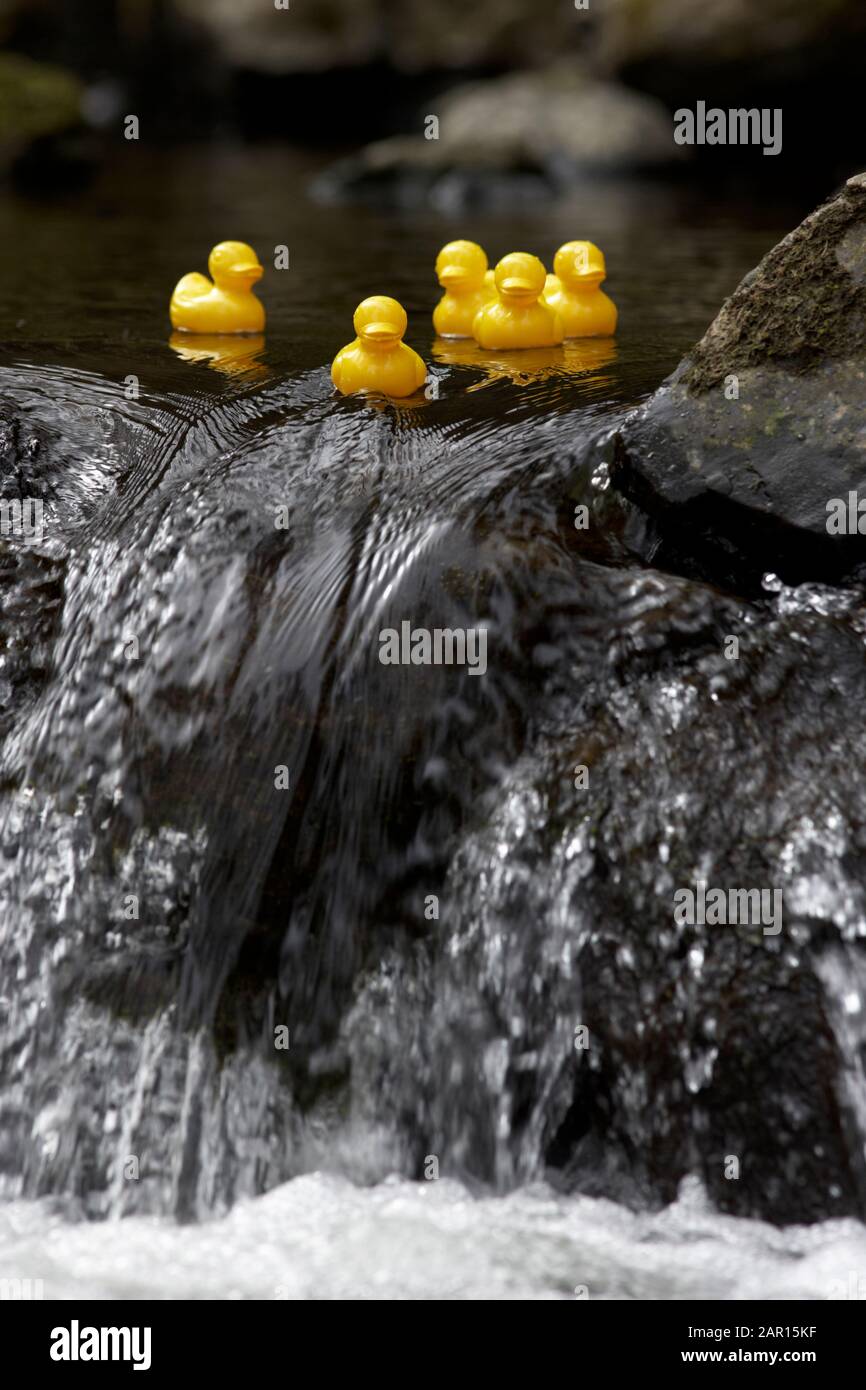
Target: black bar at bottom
point(84, 1339)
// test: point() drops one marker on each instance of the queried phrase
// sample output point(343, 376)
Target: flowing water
point(221, 816)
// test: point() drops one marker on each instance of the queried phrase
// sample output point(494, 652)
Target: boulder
point(569, 1026)
point(538, 129)
point(744, 454)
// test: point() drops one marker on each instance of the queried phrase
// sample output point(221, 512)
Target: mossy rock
point(739, 454)
point(36, 99)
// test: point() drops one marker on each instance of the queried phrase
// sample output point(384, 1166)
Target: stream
point(224, 821)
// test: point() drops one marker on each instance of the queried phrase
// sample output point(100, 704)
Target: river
point(421, 903)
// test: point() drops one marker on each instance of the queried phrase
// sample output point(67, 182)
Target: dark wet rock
point(706, 1042)
point(196, 648)
point(530, 132)
point(739, 453)
point(145, 770)
point(31, 594)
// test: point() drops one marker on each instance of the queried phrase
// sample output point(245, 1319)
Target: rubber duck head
point(461, 266)
point(234, 266)
point(380, 322)
point(520, 278)
point(579, 265)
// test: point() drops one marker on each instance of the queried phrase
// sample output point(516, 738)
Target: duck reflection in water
point(526, 366)
point(230, 354)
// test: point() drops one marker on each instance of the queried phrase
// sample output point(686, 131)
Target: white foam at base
point(321, 1237)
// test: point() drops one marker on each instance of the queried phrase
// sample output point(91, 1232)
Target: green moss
point(35, 99)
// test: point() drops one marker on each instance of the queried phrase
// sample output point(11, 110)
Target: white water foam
point(321, 1237)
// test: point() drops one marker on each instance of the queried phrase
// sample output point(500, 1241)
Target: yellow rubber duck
point(226, 305)
point(461, 269)
point(377, 360)
point(517, 318)
point(575, 293)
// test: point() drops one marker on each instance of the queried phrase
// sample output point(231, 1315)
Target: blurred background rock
point(535, 89)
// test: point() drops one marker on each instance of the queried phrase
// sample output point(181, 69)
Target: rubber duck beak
point(586, 274)
point(453, 275)
point(515, 284)
point(379, 332)
point(249, 271)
